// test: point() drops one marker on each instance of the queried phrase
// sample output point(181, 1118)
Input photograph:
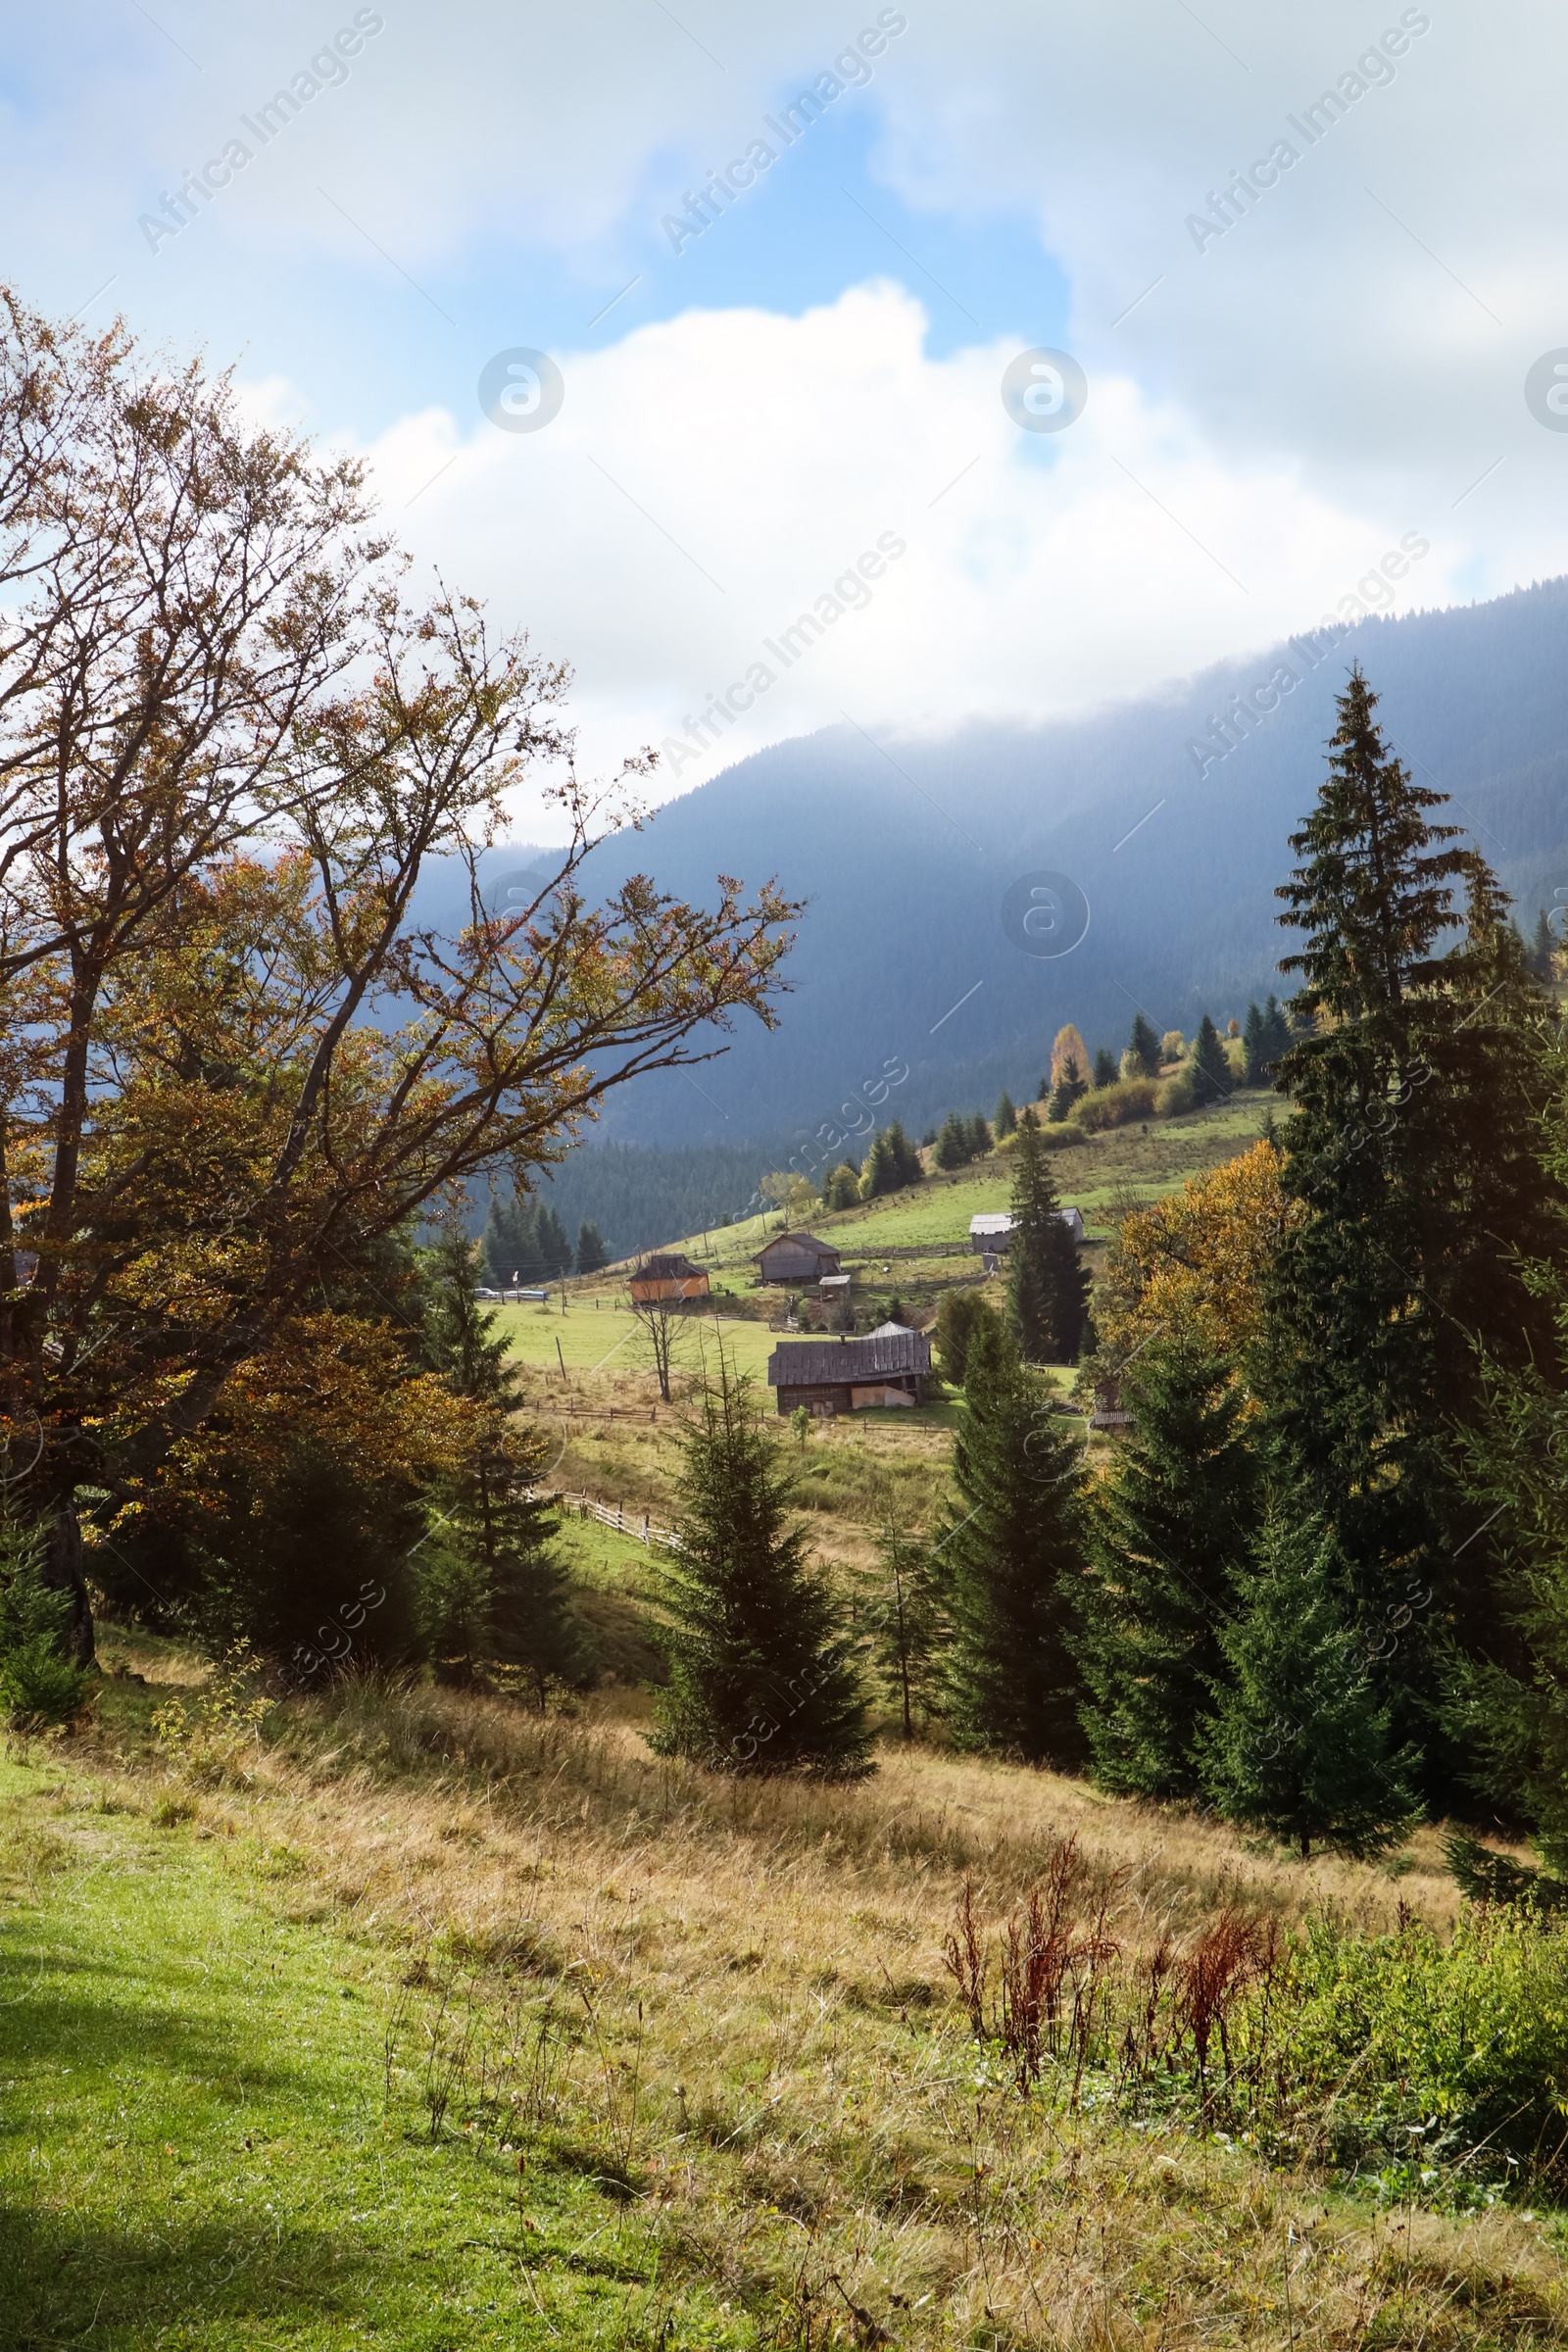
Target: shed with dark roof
point(797, 1258)
point(888, 1367)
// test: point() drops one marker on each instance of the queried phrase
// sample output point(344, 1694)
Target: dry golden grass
point(812, 2129)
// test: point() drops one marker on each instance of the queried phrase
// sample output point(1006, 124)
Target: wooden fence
point(637, 1525)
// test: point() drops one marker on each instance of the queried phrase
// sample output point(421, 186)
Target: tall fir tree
point(980, 1137)
point(906, 1592)
point(1013, 1554)
point(1494, 1196)
point(1346, 1365)
point(1047, 1290)
point(1299, 1741)
point(1142, 1050)
point(1212, 1080)
point(1106, 1070)
point(554, 1245)
point(954, 1148)
point(1543, 948)
point(763, 1676)
point(1276, 1034)
point(512, 1245)
point(592, 1255)
point(494, 1598)
point(1254, 1068)
point(1006, 1116)
point(957, 1317)
point(40, 1684)
point(1418, 1082)
point(1170, 1529)
point(1509, 1696)
point(1265, 1041)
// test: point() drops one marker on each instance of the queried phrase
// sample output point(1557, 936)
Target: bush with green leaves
point(1446, 2053)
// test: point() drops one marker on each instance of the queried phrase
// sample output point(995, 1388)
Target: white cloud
point(1345, 365)
point(709, 478)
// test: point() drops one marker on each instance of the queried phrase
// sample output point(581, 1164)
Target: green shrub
point(40, 1686)
point(1118, 1106)
point(1178, 1094)
point(1459, 2047)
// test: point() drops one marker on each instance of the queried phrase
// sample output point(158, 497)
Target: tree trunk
point(61, 1570)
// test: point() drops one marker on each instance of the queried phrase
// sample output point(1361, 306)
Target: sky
point(1038, 354)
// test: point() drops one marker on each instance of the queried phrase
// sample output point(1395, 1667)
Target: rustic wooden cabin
point(668, 1276)
point(990, 1234)
point(796, 1258)
point(890, 1366)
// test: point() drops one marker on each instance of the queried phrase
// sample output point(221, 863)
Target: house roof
point(816, 1363)
point(996, 1226)
point(667, 1265)
point(802, 1241)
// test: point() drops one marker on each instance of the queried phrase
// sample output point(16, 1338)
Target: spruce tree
point(952, 1143)
point(1419, 1083)
point(1069, 1090)
point(554, 1250)
point(1299, 1741)
point(1276, 1035)
point(502, 1244)
point(1106, 1072)
point(1007, 1119)
point(762, 1675)
point(1346, 1365)
point(1144, 1050)
point(958, 1317)
point(494, 1600)
point(1211, 1065)
point(980, 1137)
point(908, 1167)
point(1507, 1700)
point(879, 1172)
point(1541, 948)
point(1494, 1194)
point(1011, 1548)
point(592, 1255)
point(40, 1684)
point(1265, 1041)
point(907, 1593)
point(1170, 1529)
point(1047, 1290)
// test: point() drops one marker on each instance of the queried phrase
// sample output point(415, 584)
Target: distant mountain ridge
point(1170, 813)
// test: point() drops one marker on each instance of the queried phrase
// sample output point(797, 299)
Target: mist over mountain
point(905, 849)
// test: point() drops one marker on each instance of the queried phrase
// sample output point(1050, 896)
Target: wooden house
point(796, 1258)
point(991, 1234)
point(668, 1276)
point(890, 1366)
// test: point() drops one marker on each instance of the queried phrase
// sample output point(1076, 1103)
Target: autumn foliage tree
point(234, 1062)
point(1191, 1266)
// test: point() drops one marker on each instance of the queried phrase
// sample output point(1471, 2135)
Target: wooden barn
point(797, 1258)
point(667, 1275)
point(991, 1234)
point(889, 1366)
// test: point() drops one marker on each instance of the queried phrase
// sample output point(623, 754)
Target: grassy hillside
point(408, 2016)
point(423, 2022)
point(910, 1247)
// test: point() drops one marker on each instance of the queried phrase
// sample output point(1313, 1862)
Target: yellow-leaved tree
point(1069, 1047)
point(1191, 1266)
